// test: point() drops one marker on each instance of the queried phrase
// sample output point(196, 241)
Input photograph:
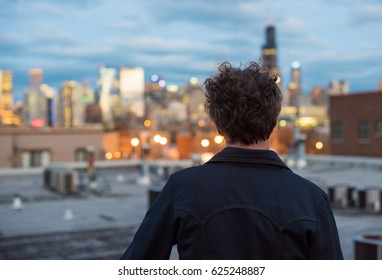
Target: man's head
point(243, 103)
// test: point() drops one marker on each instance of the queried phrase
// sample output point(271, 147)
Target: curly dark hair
point(243, 103)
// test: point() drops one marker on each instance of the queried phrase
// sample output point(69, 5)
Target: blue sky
point(180, 39)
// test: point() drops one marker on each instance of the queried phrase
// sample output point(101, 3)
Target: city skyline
point(179, 40)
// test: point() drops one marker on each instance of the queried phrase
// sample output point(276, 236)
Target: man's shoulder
point(188, 171)
point(305, 183)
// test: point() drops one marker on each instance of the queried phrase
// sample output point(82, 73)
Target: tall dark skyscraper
point(269, 53)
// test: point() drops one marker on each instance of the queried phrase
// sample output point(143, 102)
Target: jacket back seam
point(263, 213)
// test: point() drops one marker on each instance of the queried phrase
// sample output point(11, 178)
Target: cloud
point(362, 72)
point(367, 13)
point(293, 26)
point(180, 39)
point(11, 44)
point(205, 13)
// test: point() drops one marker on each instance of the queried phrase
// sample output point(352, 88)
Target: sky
point(180, 39)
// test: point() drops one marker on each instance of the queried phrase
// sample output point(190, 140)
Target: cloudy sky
point(179, 39)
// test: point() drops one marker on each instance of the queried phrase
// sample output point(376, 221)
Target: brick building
point(32, 147)
point(356, 124)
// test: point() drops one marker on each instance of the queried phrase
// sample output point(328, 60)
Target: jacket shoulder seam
point(296, 220)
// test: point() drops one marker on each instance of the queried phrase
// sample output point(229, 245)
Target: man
point(244, 203)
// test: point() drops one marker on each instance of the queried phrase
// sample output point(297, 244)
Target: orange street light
point(218, 139)
point(205, 143)
point(134, 142)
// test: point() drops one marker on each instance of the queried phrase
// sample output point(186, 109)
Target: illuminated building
point(74, 98)
point(39, 106)
point(269, 54)
point(6, 99)
point(169, 117)
point(6, 85)
point(269, 50)
point(93, 113)
point(34, 108)
point(106, 81)
point(196, 99)
point(132, 89)
point(339, 87)
point(35, 105)
point(51, 104)
point(318, 96)
point(66, 104)
point(35, 77)
point(294, 87)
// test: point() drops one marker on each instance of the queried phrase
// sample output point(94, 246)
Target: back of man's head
point(244, 102)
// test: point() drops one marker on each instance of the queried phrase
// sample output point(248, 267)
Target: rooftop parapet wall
point(345, 161)
point(312, 160)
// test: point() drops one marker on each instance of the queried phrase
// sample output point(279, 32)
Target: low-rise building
point(32, 147)
point(356, 124)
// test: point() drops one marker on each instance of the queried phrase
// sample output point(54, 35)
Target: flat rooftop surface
point(100, 222)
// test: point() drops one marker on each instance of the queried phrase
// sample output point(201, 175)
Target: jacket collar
point(248, 156)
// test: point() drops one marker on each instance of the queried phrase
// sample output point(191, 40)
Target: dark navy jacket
point(242, 204)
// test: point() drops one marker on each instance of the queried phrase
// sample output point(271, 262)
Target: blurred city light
point(154, 78)
point(319, 145)
point(283, 123)
point(157, 138)
point(205, 143)
point(117, 154)
point(147, 123)
point(172, 88)
point(163, 141)
point(134, 142)
point(307, 121)
point(206, 156)
point(201, 123)
point(296, 64)
point(292, 85)
point(194, 81)
point(218, 139)
point(162, 83)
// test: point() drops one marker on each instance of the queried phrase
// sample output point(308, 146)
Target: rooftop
point(99, 223)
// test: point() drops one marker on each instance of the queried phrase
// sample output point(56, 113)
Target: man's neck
point(261, 145)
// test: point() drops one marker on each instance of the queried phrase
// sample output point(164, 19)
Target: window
point(378, 128)
point(337, 131)
point(81, 154)
point(35, 158)
point(363, 130)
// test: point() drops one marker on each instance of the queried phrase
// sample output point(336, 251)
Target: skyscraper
point(318, 96)
point(6, 85)
point(35, 77)
point(67, 97)
point(74, 98)
point(269, 54)
point(106, 82)
point(294, 87)
point(35, 105)
point(132, 89)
